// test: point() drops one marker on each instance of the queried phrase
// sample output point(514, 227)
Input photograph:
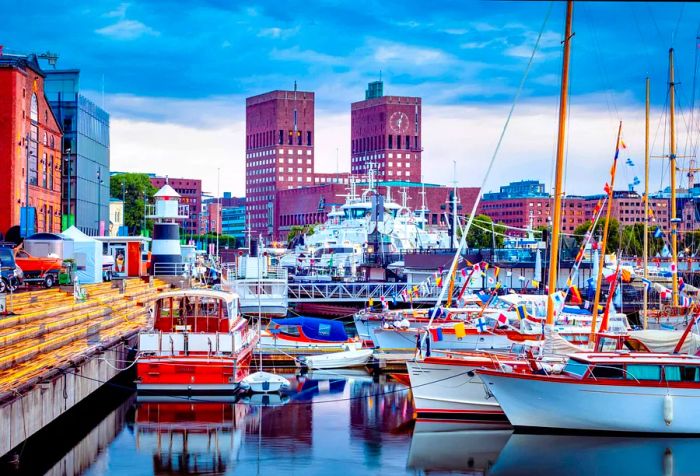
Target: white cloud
point(465, 133)
point(278, 33)
point(412, 55)
point(307, 56)
point(182, 151)
point(127, 30)
point(119, 12)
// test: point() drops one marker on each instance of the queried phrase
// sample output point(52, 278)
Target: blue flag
point(658, 233)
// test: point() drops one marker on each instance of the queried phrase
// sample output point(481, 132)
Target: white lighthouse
point(166, 255)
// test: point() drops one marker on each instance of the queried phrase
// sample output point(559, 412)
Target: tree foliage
point(296, 230)
point(613, 242)
point(481, 235)
point(135, 187)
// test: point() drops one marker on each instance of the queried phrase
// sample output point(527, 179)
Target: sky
point(174, 76)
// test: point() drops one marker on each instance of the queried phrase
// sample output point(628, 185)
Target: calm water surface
point(328, 424)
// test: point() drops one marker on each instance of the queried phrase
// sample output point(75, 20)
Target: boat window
point(209, 307)
point(643, 372)
point(682, 374)
point(289, 330)
point(607, 371)
point(324, 329)
point(607, 344)
point(576, 368)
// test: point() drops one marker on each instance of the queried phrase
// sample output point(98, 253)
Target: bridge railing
point(353, 292)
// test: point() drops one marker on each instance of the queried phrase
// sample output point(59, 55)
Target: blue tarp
point(314, 328)
point(577, 310)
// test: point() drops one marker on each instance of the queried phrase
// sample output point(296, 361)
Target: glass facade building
point(233, 221)
point(85, 199)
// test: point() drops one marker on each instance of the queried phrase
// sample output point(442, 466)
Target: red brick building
point(30, 142)
point(190, 191)
point(310, 205)
point(386, 131)
point(279, 152)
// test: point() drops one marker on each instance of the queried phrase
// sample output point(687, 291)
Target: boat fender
point(506, 368)
point(668, 462)
point(668, 409)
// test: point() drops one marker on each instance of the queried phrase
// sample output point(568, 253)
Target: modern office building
point(30, 149)
point(86, 167)
point(190, 191)
point(279, 151)
point(225, 215)
point(386, 134)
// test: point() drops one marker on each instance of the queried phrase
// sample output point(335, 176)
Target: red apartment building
point(386, 131)
point(190, 191)
point(279, 152)
point(30, 141)
point(519, 211)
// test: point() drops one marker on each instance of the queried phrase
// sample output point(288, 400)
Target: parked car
point(38, 270)
point(10, 273)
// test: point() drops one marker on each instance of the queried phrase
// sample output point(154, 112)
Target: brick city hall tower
point(279, 151)
point(386, 131)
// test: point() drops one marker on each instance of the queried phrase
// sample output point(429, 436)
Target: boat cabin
point(310, 329)
point(647, 368)
point(196, 310)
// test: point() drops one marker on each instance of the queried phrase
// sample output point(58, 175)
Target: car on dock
point(38, 270)
point(10, 274)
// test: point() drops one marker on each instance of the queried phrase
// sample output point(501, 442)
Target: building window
point(50, 167)
point(281, 139)
point(408, 142)
point(34, 109)
point(308, 138)
point(391, 143)
point(46, 139)
point(398, 142)
point(291, 138)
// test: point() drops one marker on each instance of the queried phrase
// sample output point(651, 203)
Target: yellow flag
point(460, 332)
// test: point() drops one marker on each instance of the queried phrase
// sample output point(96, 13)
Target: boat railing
point(232, 272)
point(170, 269)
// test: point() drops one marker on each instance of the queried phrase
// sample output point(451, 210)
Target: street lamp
point(26, 190)
point(67, 153)
point(99, 199)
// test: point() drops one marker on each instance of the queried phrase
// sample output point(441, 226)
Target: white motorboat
point(338, 360)
point(264, 382)
point(260, 286)
point(634, 392)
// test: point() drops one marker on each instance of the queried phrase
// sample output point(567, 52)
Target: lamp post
point(143, 228)
point(99, 199)
point(26, 190)
point(67, 153)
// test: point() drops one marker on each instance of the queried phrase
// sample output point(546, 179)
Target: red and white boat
point(199, 343)
point(306, 333)
point(631, 392)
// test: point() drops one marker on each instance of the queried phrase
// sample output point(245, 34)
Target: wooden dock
point(55, 351)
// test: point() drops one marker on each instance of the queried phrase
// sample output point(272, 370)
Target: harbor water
point(330, 422)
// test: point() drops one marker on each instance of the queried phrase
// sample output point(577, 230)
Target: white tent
point(87, 253)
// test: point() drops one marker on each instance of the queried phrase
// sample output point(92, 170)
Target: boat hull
point(339, 360)
point(185, 374)
point(560, 404)
point(452, 392)
point(400, 340)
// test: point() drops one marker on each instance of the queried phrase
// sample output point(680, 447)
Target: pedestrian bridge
point(358, 292)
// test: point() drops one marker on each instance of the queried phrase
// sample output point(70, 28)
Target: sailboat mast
point(559, 176)
point(672, 160)
point(646, 202)
point(604, 241)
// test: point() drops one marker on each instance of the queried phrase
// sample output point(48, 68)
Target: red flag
point(502, 319)
point(575, 295)
point(607, 188)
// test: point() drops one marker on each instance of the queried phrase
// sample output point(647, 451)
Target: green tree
point(132, 187)
point(296, 230)
point(481, 233)
point(613, 243)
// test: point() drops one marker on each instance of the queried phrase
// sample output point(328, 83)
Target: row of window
point(267, 139)
point(367, 144)
point(263, 153)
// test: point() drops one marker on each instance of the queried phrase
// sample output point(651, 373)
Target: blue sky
point(190, 64)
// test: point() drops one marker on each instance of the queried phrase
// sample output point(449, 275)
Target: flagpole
point(559, 175)
point(646, 207)
point(672, 160)
point(601, 259)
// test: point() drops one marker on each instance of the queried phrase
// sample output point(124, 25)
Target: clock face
point(398, 123)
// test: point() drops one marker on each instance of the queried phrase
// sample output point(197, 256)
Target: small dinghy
point(264, 382)
point(337, 360)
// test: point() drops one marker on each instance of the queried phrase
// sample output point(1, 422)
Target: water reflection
point(456, 447)
point(328, 421)
point(598, 455)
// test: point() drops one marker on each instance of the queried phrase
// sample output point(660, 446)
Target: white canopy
point(87, 253)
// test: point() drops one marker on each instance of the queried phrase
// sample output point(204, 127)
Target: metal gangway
point(357, 292)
